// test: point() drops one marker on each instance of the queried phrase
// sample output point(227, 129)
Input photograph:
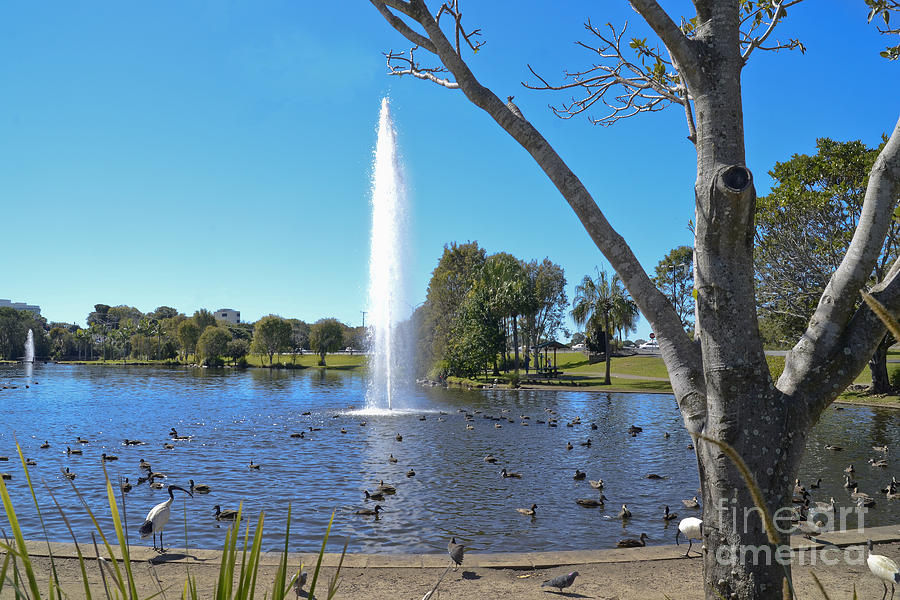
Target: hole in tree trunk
point(736, 178)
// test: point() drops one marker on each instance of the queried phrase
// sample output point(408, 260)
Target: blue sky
point(218, 154)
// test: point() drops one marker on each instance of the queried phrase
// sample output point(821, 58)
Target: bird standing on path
point(456, 551)
point(883, 568)
point(692, 529)
point(561, 581)
point(158, 517)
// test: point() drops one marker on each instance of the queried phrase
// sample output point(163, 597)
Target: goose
point(799, 489)
point(596, 484)
point(504, 473)
point(225, 515)
point(591, 502)
point(386, 488)
point(883, 568)
point(893, 495)
point(68, 474)
point(624, 513)
point(883, 463)
point(692, 503)
point(369, 512)
point(144, 465)
point(377, 496)
point(45, 445)
point(108, 457)
point(158, 517)
point(200, 488)
point(816, 485)
point(633, 543)
point(825, 507)
point(579, 475)
point(668, 516)
point(391, 459)
point(865, 501)
point(692, 529)
point(890, 487)
point(527, 511)
point(75, 451)
point(254, 466)
point(126, 486)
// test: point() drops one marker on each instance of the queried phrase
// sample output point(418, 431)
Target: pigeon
point(300, 582)
point(561, 581)
point(456, 551)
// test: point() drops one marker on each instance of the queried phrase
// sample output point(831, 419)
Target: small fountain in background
point(29, 347)
point(389, 356)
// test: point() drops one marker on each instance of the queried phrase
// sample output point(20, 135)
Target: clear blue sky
point(217, 154)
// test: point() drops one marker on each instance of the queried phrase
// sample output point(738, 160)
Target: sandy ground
point(677, 578)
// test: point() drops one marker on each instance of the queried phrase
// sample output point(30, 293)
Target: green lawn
point(332, 361)
point(640, 364)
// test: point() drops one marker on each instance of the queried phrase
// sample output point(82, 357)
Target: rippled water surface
point(234, 417)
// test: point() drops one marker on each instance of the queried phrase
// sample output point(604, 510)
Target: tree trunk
point(515, 343)
point(881, 383)
point(607, 381)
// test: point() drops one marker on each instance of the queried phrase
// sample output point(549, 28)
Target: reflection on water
point(234, 417)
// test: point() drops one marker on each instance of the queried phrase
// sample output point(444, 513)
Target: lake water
point(234, 417)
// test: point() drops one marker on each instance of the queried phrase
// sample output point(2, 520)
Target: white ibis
point(883, 568)
point(158, 517)
point(692, 529)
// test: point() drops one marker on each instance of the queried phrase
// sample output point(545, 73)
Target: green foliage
point(213, 344)
point(203, 318)
point(546, 312)
point(188, 334)
point(475, 339)
point(326, 335)
point(803, 228)
point(236, 350)
point(884, 8)
point(675, 278)
point(14, 326)
point(271, 334)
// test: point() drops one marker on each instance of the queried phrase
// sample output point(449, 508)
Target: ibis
point(883, 568)
point(158, 517)
point(692, 529)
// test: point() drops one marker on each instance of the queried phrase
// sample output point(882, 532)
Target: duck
point(633, 543)
point(343, 430)
point(816, 485)
point(5, 476)
point(108, 457)
point(635, 429)
point(127, 442)
point(470, 428)
point(579, 475)
point(624, 513)
point(504, 473)
point(254, 465)
point(666, 435)
point(225, 515)
point(174, 435)
point(298, 435)
point(399, 437)
point(168, 446)
point(799, 489)
point(655, 476)
point(668, 516)
point(386, 488)
point(587, 443)
point(530, 512)
point(377, 496)
point(369, 512)
point(880, 448)
point(75, 451)
point(410, 473)
point(597, 484)
point(157, 485)
point(692, 503)
point(200, 488)
point(850, 469)
point(490, 458)
point(865, 501)
point(126, 486)
point(30, 462)
point(849, 483)
point(569, 446)
point(882, 463)
point(391, 459)
point(68, 474)
point(593, 426)
point(591, 502)
point(80, 440)
point(833, 447)
point(144, 465)
point(45, 445)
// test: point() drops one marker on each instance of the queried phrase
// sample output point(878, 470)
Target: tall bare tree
point(723, 388)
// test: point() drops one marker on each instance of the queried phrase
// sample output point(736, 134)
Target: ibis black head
point(175, 487)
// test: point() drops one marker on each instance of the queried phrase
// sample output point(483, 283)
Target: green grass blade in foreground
point(312, 585)
point(254, 556)
point(279, 590)
point(21, 550)
point(335, 581)
point(229, 555)
point(3, 570)
point(37, 507)
point(109, 550)
point(62, 513)
point(120, 534)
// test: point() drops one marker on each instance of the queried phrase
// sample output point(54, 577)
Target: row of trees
point(123, 332)
point(480, 309)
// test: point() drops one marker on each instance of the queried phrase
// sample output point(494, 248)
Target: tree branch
point(825, 331)
point(398, 24)
point(670, 34)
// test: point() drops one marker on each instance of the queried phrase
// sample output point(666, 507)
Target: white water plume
point(29, 347)
point(389, 356)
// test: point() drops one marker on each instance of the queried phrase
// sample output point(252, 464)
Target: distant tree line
point(480, 310)
point(165, 334)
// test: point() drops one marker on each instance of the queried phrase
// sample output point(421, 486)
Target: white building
point(228, 314)
point(21, 306)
